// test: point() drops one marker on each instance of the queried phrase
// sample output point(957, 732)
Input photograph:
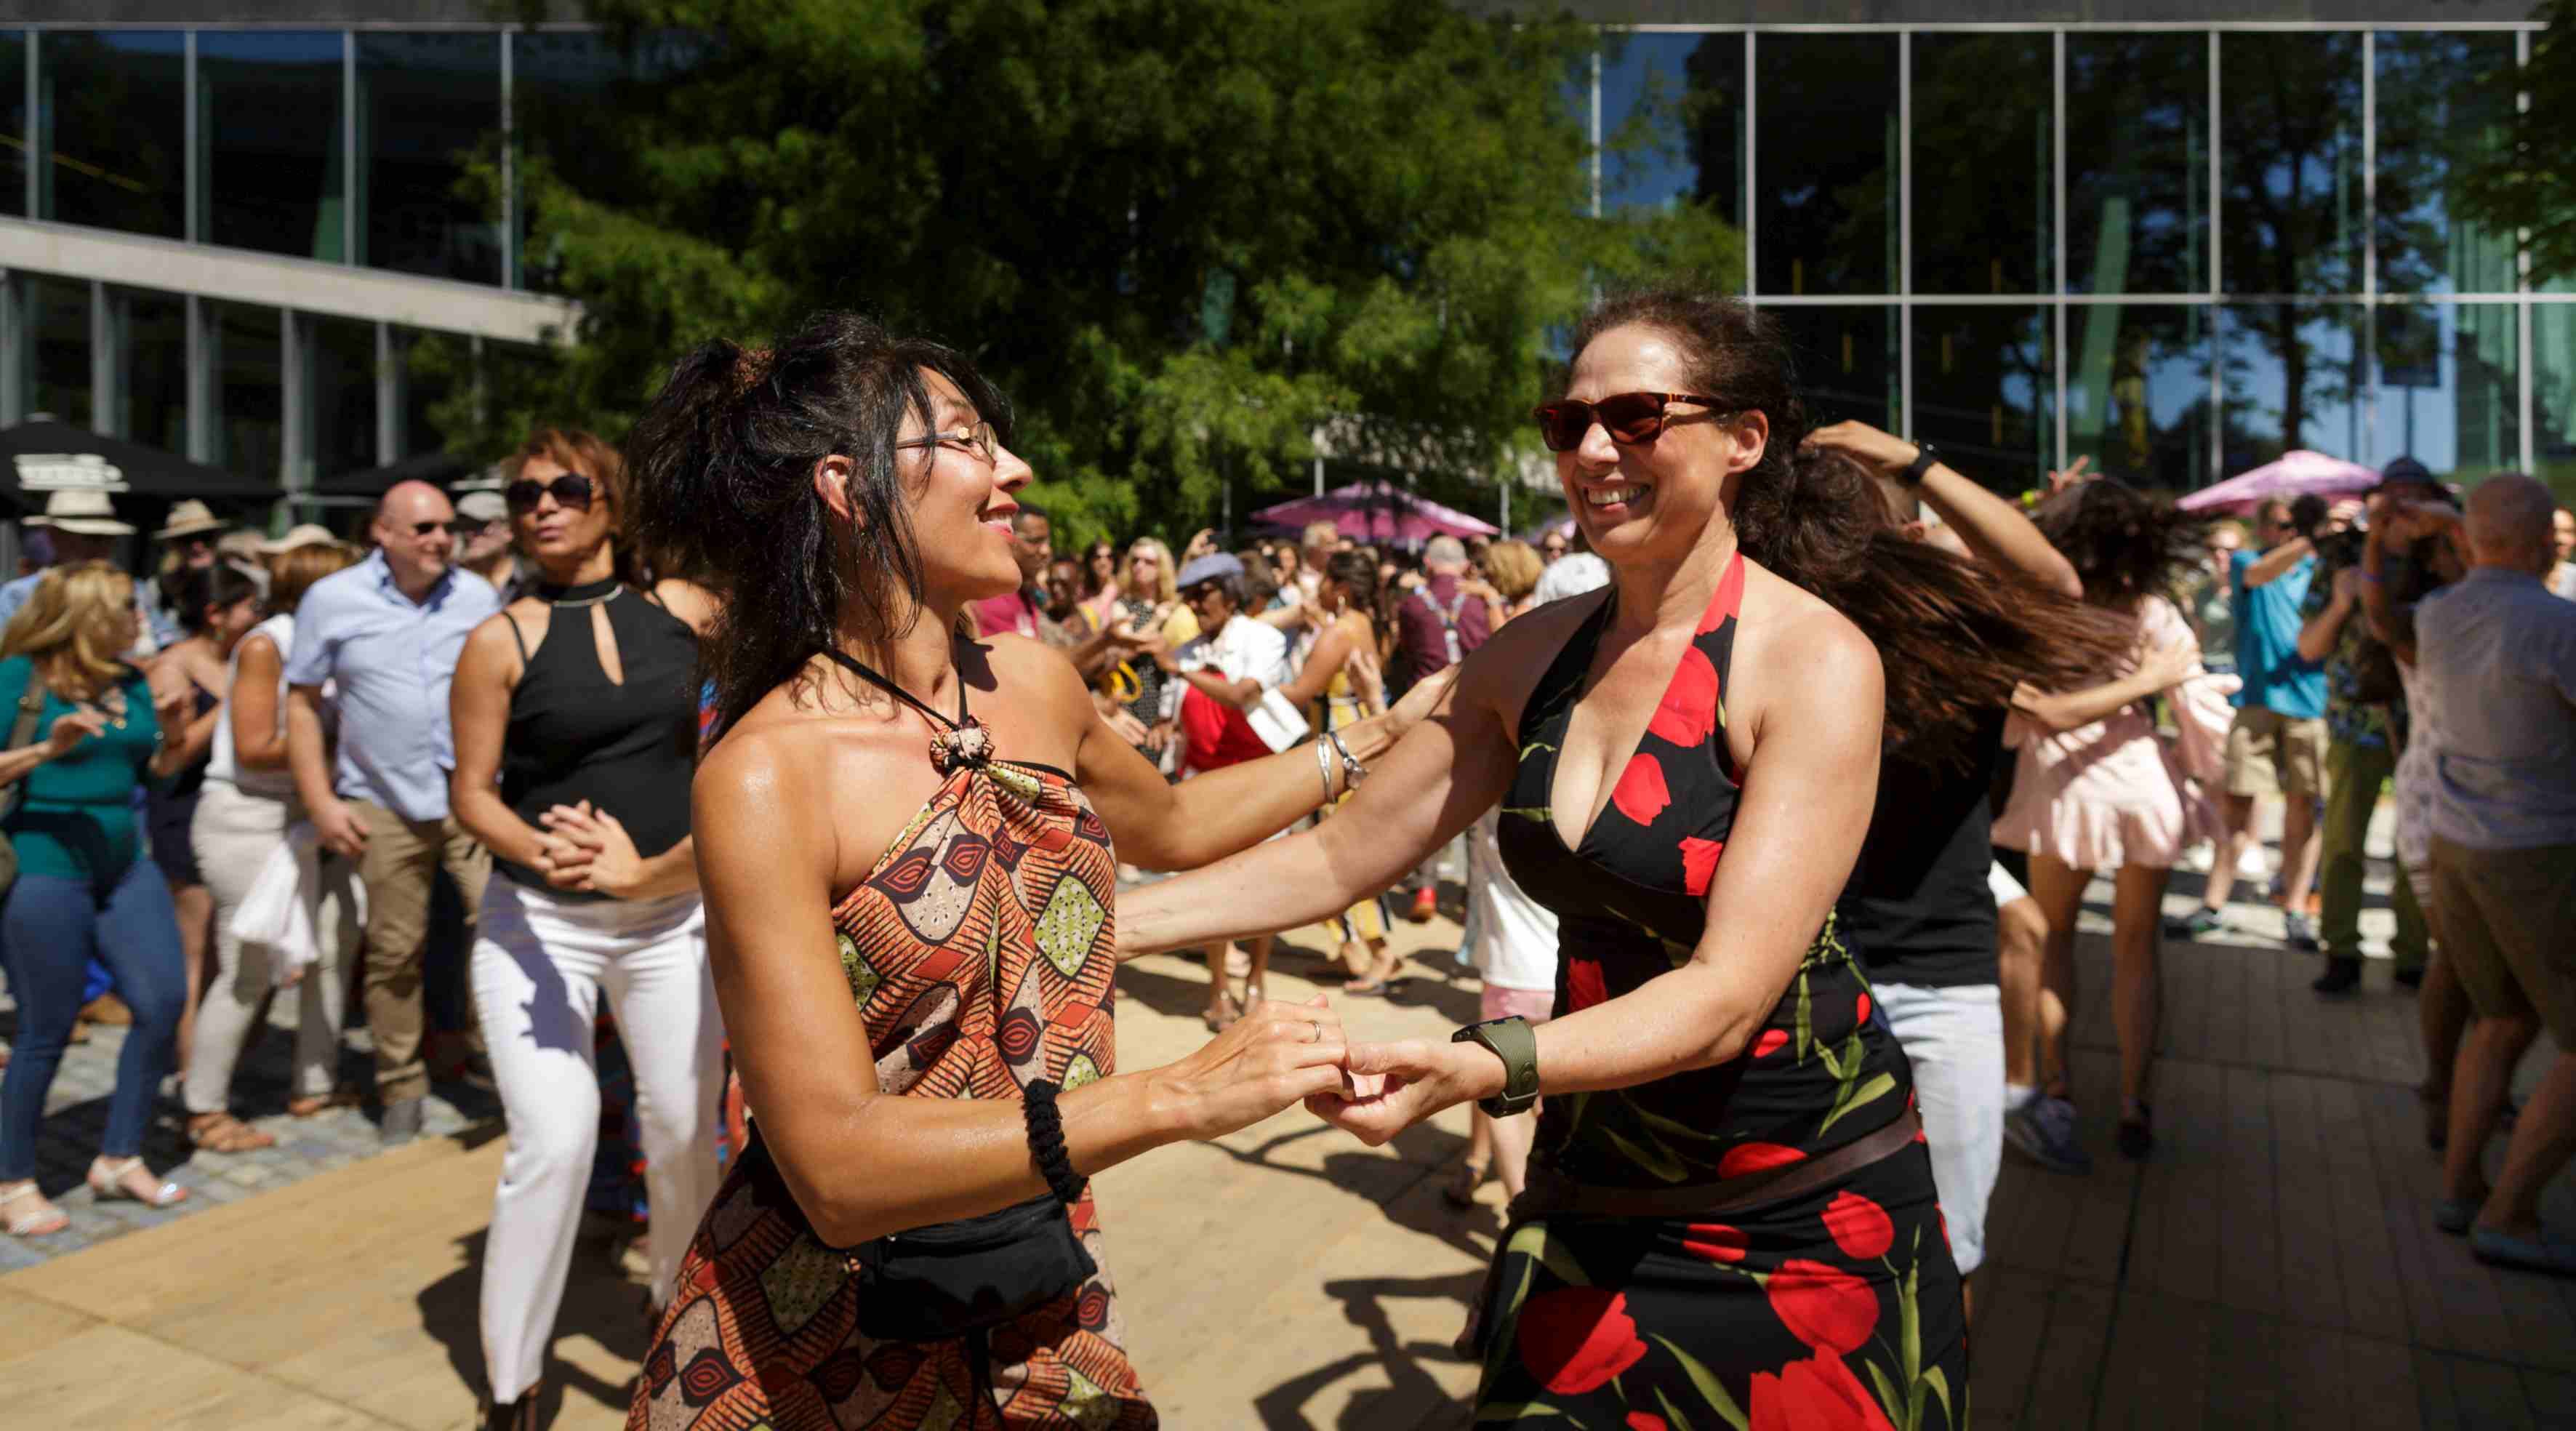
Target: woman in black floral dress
point(1730, 1216)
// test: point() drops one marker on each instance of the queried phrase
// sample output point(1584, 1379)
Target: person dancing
point(906, 841)
point(581, 697)
point(1729, 1210)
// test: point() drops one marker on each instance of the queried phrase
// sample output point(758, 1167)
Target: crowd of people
point(1777, 779)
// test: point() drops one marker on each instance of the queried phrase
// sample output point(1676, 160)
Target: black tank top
point(575, 735)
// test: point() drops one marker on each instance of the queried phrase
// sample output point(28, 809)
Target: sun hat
point(1215, 566)
point(82, 511)
point(188, 519)
point(482, 506)
point(303, 535)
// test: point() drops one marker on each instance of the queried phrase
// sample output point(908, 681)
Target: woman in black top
point(576, 716)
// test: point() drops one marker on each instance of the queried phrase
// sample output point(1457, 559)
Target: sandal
point(1353, 957)
point(314, 1107)
point(40, 1220)
point(1222, 1014)
point(1381, 977)
point(107, 1179)
point(1471, 1174)
point(221, 1132)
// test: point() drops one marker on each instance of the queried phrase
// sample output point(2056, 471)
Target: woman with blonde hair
point(84, 737)
point(247, 805)
point(1151, 597)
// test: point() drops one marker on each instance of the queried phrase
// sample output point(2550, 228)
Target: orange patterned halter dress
point(980, 951)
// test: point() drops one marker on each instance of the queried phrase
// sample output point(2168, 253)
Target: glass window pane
point(13, 121)
point(564, 97)
point(275, 171)
point(2137, 163)
point(151, 331)
point(56, 314)
point(250, 403)
point(1672, 137)
point(2447, 394)
point(1984, 184)
point(2553, 397)
point(2435, 116)
point(113, 127)
point(2137, 392)
point(340, 397)
point(1985, 392)
point(426, 103)
point(2293, 380)
point(2290, 161)
point(1825, 119)
point(1846, 362)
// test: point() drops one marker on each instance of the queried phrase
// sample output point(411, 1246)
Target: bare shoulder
point(1813, 656)
point(774, 750)
point(500, 635)
point(1500, 674)
point(696, 606)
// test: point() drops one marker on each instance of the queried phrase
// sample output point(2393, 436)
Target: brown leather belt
point(1549, 1193)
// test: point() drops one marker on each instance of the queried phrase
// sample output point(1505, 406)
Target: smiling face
point(1650, 501)
point(961, 506)
point(1213, 606)
point(411, 527)
point(559, 536)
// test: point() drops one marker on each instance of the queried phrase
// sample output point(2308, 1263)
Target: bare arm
point(1993, 528)
point(308, 754)
point(1332, 648)
point(1808, 792)
point(2271, 565)
point(860, 1163)
point(2317, 635)
point(259, 737)
point(2163, 667)
point(478, 711)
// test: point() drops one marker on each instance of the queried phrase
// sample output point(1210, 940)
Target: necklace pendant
point(968, 747)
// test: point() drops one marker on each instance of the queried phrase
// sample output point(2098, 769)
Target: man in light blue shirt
point(2277, 745)
point(386, 634)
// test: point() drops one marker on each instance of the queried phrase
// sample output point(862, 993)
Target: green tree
point(1181, 233)
point(2524, 183)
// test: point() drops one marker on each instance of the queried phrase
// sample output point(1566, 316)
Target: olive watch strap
point(1514, 1042)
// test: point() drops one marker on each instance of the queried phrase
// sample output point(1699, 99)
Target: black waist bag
point(951, 1278)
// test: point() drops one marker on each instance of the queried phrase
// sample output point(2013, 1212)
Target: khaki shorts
point(2269, 753)
point(2503, 917)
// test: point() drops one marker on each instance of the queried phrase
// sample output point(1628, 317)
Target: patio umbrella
point(46, 455)
point(1377, 511)
point(2295, 474)
point(436, 468)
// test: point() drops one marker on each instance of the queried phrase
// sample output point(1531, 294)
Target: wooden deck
point(2273, 1266)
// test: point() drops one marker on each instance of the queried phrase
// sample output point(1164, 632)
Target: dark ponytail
point(1954, 637)
point(721, 468)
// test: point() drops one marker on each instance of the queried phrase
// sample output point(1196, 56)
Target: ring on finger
point(1314, 1031)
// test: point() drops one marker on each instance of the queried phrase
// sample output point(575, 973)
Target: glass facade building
point(2178, 249)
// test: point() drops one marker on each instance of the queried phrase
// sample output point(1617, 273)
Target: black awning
point(46, 455)
point(436, 468)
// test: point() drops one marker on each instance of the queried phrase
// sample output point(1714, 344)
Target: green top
point(77, 819)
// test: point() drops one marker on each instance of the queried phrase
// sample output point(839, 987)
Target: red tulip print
point(1816, 1394)
point(1688, 711)
point(1699, 862)
point(1641, 794)
point(1860, 1013)
point(1574, 1339)
point(1584, 985)
point(1729, 599)
point(1754, 1157)
point(1646, 1421)
point(1771, 1042)
point(1828, 1309)
point(1716, 1242)
point(1861, 1228)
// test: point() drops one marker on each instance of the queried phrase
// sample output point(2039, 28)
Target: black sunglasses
point(423, 529)
point(570, 490)
point(1629, 418)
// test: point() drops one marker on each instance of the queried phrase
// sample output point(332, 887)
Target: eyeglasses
point(1631, 419)
point(976, 441)
point(571, 490)
point(431, 529)
point(1554, 549)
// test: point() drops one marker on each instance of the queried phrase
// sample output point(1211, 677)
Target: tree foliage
point(1183, 234)
point(2525, 183)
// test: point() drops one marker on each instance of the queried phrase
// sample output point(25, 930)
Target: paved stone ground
point(76, 1117)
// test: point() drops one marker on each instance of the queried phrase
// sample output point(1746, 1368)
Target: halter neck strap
point(860, 670)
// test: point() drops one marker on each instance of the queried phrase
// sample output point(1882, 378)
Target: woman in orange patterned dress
point(905, 837)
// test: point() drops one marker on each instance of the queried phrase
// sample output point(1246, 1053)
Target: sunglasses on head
point(571, 490)
point(1629, 418)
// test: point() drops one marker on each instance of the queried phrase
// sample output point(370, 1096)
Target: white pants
point(1954, 1036)
point(540, 964)
point(234, 835)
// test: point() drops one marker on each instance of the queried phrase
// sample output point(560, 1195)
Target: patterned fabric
point(2348, 719)
point(1839, 1308)
point(980, 951)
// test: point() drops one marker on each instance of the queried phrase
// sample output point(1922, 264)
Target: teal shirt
point(77, 818)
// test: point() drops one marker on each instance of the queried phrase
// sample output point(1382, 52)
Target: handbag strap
point(22, 733)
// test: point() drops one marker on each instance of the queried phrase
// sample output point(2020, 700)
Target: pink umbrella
point(1377, 512)
point(2296, 474)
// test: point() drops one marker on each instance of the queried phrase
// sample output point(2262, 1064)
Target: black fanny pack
point(951, 1278)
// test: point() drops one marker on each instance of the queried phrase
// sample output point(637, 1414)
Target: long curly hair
point(1954, 637)
point(721, 469)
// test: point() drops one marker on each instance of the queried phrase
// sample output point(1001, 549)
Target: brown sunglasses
point(1629, 418)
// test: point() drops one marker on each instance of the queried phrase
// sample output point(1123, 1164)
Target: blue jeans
point(50, 930)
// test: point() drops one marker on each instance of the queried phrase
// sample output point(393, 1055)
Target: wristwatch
point(1926, 456)
point(1516, 1044)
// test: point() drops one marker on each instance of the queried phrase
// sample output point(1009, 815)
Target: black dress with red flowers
point(1838, 1307)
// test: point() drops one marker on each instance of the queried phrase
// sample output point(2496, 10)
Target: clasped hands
point(586, 849)
point(1280, 1053)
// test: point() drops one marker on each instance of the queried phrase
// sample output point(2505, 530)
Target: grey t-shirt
point(2501, 652)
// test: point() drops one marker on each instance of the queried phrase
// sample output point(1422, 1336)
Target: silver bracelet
point(1324, 768)
point(1352, 771)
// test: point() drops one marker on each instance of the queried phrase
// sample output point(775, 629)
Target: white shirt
point(1244, 650)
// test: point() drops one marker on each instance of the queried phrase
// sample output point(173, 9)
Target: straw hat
point(304, 535)
point(188, 519)
point(83, 511)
